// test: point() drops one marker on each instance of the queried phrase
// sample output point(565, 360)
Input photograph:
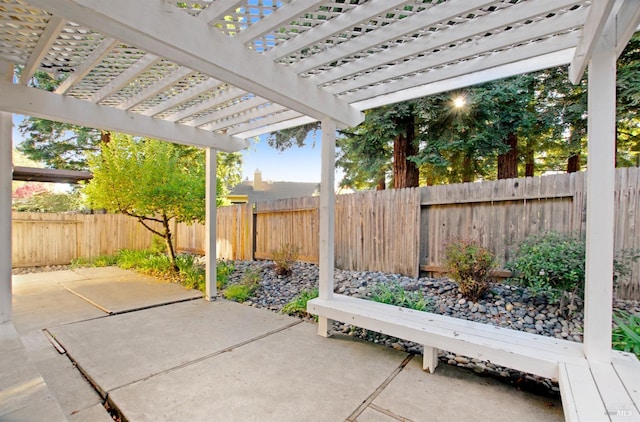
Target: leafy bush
point(550, 264)
point(131, 259)
point(298, 305)
point(394, 294)
point(224, 269)
point(96, 261)
point(469, 265)
point(622, 265)
point(251, 276)
point(239, 292)
point(284, 258)
point(626, 336)
point(192, 276)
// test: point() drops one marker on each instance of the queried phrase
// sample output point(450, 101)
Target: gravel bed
point(504, 306)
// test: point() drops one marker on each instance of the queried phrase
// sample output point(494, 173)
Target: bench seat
point(519, 350)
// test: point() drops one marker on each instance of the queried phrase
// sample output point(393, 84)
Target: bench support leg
point(430, 359)
point(324, 325)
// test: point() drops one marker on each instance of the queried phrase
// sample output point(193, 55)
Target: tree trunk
point(529, 166)
point(508, 162)
point(573, 163)
point(169, 242)
point(105, 137)
point(405, 172)
point(467, 169)
point(382, 183)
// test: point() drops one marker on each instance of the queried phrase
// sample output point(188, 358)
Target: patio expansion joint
point(368, 402)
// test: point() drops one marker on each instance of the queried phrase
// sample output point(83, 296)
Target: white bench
point(588, 392)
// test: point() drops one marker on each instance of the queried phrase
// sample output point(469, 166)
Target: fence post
point(6, 175)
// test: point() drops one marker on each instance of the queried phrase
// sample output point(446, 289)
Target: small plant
point(96, 261)
point(298, 305)
point(469, 265)
point(158, 245)
point(224, 269)
point(394, 294)
point(131, 259)
point(626, 336)
point(239, 292)
point(191, 275)
point(251, 276)
point(284, 259)
point(551, 264)
point(623, 266)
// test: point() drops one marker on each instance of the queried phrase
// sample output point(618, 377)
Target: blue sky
point(293, 165)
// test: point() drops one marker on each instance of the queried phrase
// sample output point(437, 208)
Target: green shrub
point(191, 275)
point(96, 261)
point(469, 265)
point(131, 259)
point(623, 265)
point(224, 269)
point(626, 336)
point(251, 276)
point(284, 258)
point(298, 305)
point(552, 264)
point(394, 294)
point(239, 292)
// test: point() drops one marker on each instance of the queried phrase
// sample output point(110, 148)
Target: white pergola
point(212, 73)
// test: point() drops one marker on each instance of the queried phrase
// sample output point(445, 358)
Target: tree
point(155, 182)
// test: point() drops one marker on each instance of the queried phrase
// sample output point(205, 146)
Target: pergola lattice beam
point(123, 79)
point(88, 64)
point(186, 40)
point(239, 107)
point(245, 117)
point(454, 34)
point(270, 124)
point(391, 32)
point(543, 50)
point(496, 42)
point(217, 9)
point(226, 96)
point(39, 103)
point(599, 12)
point(156, 88)
point(347, 20)
point(627, 21)
point(283, 15)
point(46, 40)
point(419, 87)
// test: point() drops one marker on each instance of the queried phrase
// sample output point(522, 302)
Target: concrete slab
point(121, 349)
point(39, 283)
point(292, 375)
point(95, 413)
point(102, 272)
point(455, 394)
point(373, 415)
point(24, 395)
point(122, 291)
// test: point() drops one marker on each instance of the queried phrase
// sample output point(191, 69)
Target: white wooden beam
point(239, 107)
point(188, 95)
point(247, 116)
point(124, 78)
point(418, 86)
point(327, 217)
point(350, 19)
point(524, 59)
point(392, 32)
point(46, 40)
point(210, 251)
point(88, 64)
point(284, 15)
point(271, 124)
point(599, 12)
point(601, 148)
point(185, 40)
point(6, 176)
point(47, 105)
point(496, 42)
point(627, 21)
point(461, 32)
point(217, 9)
point(156, 88)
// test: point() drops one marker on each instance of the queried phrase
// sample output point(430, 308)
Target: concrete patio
point(157, 352)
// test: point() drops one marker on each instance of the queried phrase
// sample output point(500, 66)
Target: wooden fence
point(397, 231)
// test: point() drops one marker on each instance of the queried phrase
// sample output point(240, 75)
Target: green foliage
point(550, 264)
point(224, 269)
point(285, 258)
point(394, 294)
point(469, 265)
point(251, 276)
point(158, 245)
point(298, 305)
point(50, 202)
point(239, 292)
point(192, 276)
point(97, 261)
point(626, 334)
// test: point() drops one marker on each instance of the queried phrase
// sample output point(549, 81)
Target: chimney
point(257, 180)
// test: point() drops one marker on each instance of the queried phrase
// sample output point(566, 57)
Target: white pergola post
point(327, 218)
point(600, 199)
point(6, 176)
point(210, 225)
